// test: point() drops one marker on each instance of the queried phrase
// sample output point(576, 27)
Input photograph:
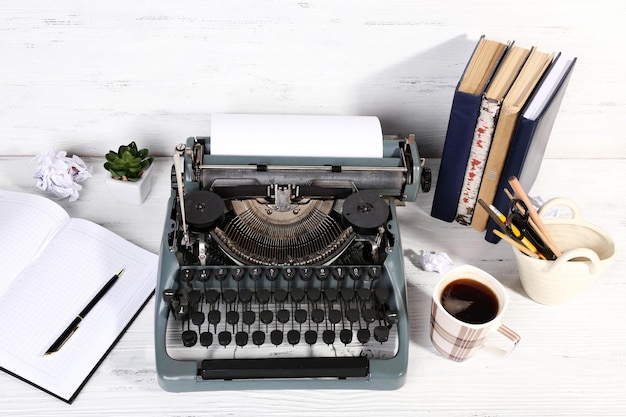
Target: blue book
point(532, 133)
point(463, 114)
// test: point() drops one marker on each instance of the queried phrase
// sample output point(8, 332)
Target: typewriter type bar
point(284, 272)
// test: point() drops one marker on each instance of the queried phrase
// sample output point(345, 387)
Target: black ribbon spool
point(365, 211)
point(204, 210)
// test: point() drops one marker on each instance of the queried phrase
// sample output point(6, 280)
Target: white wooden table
point(571, 360)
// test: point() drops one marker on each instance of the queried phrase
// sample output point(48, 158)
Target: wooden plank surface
point(86, 76)
point(570, 361)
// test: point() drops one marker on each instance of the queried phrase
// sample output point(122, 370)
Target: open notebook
point(52, 266)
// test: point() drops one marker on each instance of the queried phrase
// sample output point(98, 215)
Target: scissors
point(518, 227)
point(511, 230)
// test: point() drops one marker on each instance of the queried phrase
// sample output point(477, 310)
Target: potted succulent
point(130, 171)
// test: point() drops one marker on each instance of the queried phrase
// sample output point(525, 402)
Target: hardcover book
point(485, 126)
point(463, 115)
point(532, 134)
point(525, 83)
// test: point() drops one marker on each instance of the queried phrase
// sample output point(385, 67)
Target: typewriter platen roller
point(284, 272)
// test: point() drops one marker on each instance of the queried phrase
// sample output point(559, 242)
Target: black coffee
point(470, 301)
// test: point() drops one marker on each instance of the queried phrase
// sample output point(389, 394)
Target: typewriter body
point(284, 272)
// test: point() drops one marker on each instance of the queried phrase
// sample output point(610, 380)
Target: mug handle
point(577, 253)
point(512, 337)
point(559, 201)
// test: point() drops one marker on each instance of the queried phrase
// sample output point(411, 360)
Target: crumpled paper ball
point(60, 175)
point(433, 261)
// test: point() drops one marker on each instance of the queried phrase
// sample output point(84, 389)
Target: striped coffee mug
point(474, 302)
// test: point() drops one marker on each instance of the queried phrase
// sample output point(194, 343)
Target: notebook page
point(48, 295)
point(26, 221)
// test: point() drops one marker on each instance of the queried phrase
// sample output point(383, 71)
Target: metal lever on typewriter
point(178, 154)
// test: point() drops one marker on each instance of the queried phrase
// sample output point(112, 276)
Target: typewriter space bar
point(272, 368)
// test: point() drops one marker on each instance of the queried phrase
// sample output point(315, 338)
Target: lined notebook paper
point(53, 266)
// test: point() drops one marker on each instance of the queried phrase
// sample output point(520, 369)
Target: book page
point(27, 221)
point(44, 299)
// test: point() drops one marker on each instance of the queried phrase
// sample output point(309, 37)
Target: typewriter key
point(306, 273)
point(317, 315)
point(187, 275)
point(224, 338)
point(168, 295)
point(313, 294)
point(289, 273)
point(293, 337)
point(334, 316)
point(194, 297)
point(363, 335)
point(237, 273)
point(364, 294)
point(300, 315)
point(369, 315)
point(374, 272)
point(202, 275)
point(206, 339)
point(280, 295)
point(328, 336)
point(339, 272)
point(355, 272)
point(310, 336)
point(331, 295)
point(232, 317)
point(258, 337)
point(263, 295)
point(221, 274)
point(352, 314)
point(249, 317)
point(347, 294)
point(322, 273)
point(245, 295)
point(272, 273)
point(345, 336)
point(215, 316)
point(211, 296)
point(255, 273)
point(391, 316)
point(276, 336)
point(266, 316)
point(297, 295)
point(241, 338)
point(282, 316)
point(229, 296)
point(197, 317)
point(381, 333)
point(189, 338)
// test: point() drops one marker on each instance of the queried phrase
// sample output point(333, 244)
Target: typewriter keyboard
point(234, 312)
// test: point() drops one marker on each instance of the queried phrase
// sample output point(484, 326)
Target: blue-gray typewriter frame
point(384, 374)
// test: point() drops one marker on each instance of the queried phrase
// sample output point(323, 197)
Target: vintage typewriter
point(284, 272)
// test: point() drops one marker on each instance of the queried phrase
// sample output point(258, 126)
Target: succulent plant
point(128, 163)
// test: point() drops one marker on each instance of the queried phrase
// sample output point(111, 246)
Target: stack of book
point(503, 110)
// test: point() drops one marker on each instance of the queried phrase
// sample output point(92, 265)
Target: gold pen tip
point(120, 272)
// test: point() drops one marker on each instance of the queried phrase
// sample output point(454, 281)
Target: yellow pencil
point(515, 243)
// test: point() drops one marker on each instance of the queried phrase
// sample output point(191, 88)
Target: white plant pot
point(128, 192)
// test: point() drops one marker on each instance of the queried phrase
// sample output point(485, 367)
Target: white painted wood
point(86, 76)
point(570, 361)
